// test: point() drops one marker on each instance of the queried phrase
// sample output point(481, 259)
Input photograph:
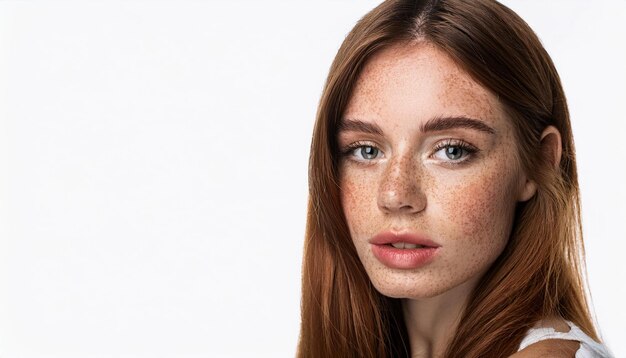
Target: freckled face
point(432, 170)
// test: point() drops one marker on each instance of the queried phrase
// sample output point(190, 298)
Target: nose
point(400, 189)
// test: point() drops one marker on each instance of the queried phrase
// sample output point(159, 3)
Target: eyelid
point(468, 148)
point(453, 142)
point(347, 151)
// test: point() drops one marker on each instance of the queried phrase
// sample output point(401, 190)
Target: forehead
point(419, 81)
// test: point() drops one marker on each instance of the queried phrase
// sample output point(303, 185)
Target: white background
point(153, 168)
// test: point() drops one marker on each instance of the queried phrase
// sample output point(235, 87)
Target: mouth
point(403, 251)
point(406, 245)
point(405, 240)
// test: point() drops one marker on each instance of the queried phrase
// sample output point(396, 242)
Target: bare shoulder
point(558, 348)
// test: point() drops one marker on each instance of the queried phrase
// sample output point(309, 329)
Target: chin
point(402, 286)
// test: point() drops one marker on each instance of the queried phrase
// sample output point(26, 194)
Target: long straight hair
point(539, 273)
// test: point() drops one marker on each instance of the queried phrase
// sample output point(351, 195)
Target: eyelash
point(349, 150)
point(468, 149)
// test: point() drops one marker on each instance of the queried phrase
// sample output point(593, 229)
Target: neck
point(431, 322)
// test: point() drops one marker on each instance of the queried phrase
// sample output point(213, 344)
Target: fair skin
point(429, 151)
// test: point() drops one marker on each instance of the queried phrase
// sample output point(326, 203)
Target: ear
point(551, 146)
point(528, 189)
point(551, 150)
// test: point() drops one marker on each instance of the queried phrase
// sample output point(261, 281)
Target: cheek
point(358, 195)
point(483, 208)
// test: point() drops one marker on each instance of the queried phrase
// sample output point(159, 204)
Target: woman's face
point(428, 158)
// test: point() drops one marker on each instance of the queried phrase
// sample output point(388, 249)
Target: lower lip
point(403, 258)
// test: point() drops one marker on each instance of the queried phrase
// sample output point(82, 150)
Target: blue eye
point(362, 152)
point(368, 152)
point(454, 151)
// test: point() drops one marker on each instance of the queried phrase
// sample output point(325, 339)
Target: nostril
point(406, 208)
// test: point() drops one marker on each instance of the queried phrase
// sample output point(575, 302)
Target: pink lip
point(403, 258)
point(388, 237)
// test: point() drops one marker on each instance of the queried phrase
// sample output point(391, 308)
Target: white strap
point(588, 347)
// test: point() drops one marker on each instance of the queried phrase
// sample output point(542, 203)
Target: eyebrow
point(355, 125)
point(432, 125)
point(443, 123)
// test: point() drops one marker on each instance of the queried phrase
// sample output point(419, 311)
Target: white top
point(588, 347)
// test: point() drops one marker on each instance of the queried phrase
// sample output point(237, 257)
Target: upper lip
point(388, 237)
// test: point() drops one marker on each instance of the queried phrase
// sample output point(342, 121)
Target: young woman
point(443, 215)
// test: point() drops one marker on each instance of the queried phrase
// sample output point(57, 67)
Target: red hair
point(539, 274)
